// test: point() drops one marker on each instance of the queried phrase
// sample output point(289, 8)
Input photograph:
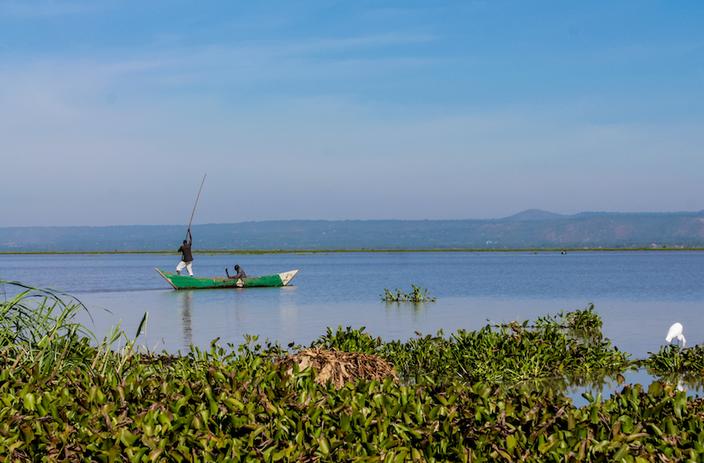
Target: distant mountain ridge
point(528, 229)
point(534, 214)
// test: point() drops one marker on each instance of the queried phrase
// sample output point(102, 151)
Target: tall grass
point(39, 330)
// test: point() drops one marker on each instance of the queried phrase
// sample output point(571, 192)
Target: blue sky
point(110, 112)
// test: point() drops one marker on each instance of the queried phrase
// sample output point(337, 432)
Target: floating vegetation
point(581, 324)
point(416, 295)
point(507, 354)
point(674, 359)
point(466, 397)
point(349, 340)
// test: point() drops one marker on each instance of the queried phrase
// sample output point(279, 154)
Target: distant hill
point(533, 214)
point(528, 229)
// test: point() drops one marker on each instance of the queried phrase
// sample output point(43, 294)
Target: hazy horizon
point(111, 112)
point(392, 219)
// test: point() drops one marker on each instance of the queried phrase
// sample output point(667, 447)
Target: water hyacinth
point(349, 340)
point(508, 353)
point(417, 295)
point(672, 359)
point(466, 397)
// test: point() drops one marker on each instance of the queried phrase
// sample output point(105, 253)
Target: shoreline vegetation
point(499, 393)
point(362, 250)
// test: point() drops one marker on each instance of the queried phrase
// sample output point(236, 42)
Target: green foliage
point(582, 324)
point(512, 352)
point(416, 295)
point(584, 321)
point(464, 399)
point(212, 405)
point(672, 359)
point(348, 340)
point(37, 325)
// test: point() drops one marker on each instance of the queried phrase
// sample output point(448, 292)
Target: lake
point(638, 294)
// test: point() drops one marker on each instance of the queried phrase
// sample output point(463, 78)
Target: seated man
point(240, 273)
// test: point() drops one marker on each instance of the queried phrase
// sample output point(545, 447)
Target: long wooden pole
point(195, 205)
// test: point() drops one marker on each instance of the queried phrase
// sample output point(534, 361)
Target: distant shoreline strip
point(342, 251)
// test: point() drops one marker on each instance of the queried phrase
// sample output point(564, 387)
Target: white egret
point(675, 331)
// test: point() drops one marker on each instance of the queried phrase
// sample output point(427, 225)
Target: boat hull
point(189, 282)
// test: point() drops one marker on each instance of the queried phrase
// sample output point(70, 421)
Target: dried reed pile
point(340, 367)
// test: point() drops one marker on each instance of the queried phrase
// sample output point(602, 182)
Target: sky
point(112, 111)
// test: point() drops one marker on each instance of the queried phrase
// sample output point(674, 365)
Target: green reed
point(38, 328)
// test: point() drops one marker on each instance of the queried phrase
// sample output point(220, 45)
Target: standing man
point(186, 255)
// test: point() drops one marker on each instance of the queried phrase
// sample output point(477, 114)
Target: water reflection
point(693, 384)
point(288, 314)
point(186, 304)
point(399, 309)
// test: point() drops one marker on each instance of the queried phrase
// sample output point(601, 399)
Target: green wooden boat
point(189, 282)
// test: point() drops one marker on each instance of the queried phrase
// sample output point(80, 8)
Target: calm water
point(638, 294)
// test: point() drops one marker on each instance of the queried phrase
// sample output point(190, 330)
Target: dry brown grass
point(340, 367)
